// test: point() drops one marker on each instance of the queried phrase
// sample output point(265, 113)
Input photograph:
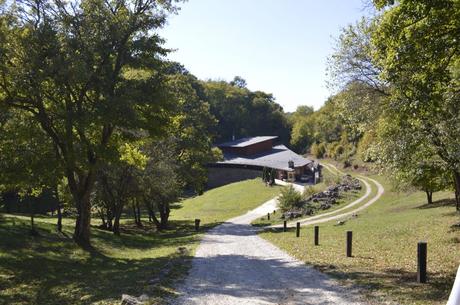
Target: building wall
point(251, 149)
point(218, 176)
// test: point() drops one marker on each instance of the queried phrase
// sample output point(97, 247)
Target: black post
point(268, 216)
point(349, 243)
point(421, 261)
point(316, 235)
point(274, 211)
point(297, 233)
point(285, 226)
point(197, 225)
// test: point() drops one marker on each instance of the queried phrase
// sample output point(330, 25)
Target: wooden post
point(197, 225)
point(421, 261)
point(349, 243)
point(268, 216)
point(297, 233)
point(274, 211)
point(316, 235)
point(285, 226)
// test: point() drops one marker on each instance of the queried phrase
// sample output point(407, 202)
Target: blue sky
point(278, 46)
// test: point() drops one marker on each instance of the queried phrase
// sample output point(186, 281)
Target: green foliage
point(416, 48)
point(315, 127)
point(84, 72)
point(289, 199)
point(366, 148)
point(309, 191)
point(318, 150)
point(241, 112)
point(338, 151)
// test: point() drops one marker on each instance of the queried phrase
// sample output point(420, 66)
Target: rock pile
point(326, 199)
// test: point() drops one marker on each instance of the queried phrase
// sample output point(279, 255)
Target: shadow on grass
point(51, 269)
point(396, 282)
point(438, 204)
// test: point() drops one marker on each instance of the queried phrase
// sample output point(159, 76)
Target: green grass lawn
point(51, 269)
point(385, 237)
point(220, 204)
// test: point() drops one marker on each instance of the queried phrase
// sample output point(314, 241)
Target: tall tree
point(417, 50)
point(82, 70)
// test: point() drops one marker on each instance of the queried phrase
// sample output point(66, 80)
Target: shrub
point(330, 149)
point(338, 151)
point(309, 191)
point(289, 199)
point(318, 150)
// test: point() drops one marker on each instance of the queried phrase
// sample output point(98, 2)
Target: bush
point(339, 150)
point(289, 199)
point(330, 149)
point(318, 150)
point(309, 191)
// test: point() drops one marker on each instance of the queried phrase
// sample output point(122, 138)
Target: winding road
point(233, 265)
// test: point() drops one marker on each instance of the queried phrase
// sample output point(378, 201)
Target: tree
point(159, 183)
point(243, 113)
point(352, 60)
point(28, 161)
point(239, 82)
point(416, 49)
point(192, 130)
point(430, 178)
point(74, 68)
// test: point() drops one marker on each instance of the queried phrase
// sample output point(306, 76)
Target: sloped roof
point(278, 158)
point(243, 142)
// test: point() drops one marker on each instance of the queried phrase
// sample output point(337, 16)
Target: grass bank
point(385, 237)
point(51, 269)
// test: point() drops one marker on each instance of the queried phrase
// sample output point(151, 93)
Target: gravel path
point(234, 266)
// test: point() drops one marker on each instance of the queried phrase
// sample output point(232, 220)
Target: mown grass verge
point(51, 269)
point(385, 237)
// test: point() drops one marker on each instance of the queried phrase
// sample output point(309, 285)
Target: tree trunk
point(429, 197)
point(32, 217)
point(109, 218)
point(138, 211)
point(59, 215)
point(83, 223)
point(116, 225)
point(164, 214)
point(134, 214)
point(457, 189)
point(59, 209)
point(116, 219)
point(32, 224)
point(81, 193)
point(156, 221)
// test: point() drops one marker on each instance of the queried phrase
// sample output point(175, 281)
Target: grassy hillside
point(51, 269)
point(385, 247)
point(225, 202)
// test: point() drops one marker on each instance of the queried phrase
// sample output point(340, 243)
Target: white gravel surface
point(234, 266)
